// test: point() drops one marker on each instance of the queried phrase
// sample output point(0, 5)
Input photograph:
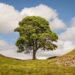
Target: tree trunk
point(34, 54)
point(34, 49)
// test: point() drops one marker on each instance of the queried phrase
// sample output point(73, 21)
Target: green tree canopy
point(35, 33)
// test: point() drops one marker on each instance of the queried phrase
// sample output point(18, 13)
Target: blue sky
point(59, 13)
point(65, 9)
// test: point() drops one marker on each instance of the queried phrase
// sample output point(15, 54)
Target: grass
point(55, 66)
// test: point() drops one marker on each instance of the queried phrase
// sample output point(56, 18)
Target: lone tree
point(35, 33)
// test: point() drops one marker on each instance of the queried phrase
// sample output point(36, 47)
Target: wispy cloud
point(69, 33)
point(9, 18)
point(46, 12)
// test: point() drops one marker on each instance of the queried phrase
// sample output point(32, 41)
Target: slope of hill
point(55, 66)
point(68, 59)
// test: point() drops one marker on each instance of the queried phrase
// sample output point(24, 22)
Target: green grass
point(53, 66)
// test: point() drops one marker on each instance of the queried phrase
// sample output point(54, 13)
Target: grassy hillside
point(64, 65)
point(68, 59)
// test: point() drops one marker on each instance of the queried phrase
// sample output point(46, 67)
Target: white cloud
point(69, 34)
point(40, 10)
point(9, 18)
point(2, 43)
point(73, 22)
point(64, 47)
point(57, 24)
point(6, 46)
point(46, 12)
point(67, 39)
point(11, 50)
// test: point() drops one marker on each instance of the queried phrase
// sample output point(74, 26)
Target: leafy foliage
point(35, 33)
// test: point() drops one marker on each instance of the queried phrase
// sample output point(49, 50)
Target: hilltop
point(64, 65)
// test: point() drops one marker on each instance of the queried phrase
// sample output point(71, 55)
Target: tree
point(35, 33)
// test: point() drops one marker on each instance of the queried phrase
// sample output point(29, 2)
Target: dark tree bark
point(34, 54)
point(34, 49)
